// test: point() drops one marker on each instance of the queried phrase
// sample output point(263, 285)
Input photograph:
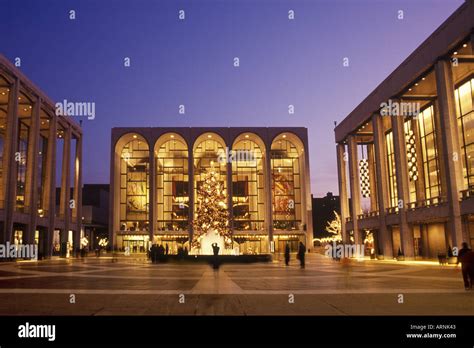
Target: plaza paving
point(133, 286)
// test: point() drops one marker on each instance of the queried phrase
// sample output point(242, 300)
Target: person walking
point(301, 254)
point(287, 254)
point(466, 258)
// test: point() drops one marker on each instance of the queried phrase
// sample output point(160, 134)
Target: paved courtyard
point(131, 286)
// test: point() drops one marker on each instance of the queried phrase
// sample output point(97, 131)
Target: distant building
point(95, 212)
point(323, 212)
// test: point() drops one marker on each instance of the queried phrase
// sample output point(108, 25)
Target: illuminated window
point(4, 98)
point(248, 194)
point(42, 157)
point(429, 152)
point(207, 151)
point(409, 137)
point(172, 183)
point(286, 185)
point(464, 110)
point(24, 123)
point(134, 186)
point(392, 177)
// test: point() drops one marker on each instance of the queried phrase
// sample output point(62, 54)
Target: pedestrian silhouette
point(301, 254)
point(287, 254)
point(215, 251)
point(466, 258)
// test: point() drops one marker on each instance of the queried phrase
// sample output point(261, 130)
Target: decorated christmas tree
point(211, 215)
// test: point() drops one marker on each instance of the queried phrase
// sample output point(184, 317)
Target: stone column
point(268, 194)
point(451, 149)
point(191, 194)
point(382, 184)
point(307, 204)
point(64, 209)
point(230, 195)
point(355, 186)
point(152, 193)
point(78, 190)
point(11, 146)
point(342, 183)
point(441, 151)
point(31, 185)
point(401, 165)
point(49, 192)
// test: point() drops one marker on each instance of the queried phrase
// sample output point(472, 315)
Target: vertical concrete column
point(230, 195)
point(355, 186)
point(31, 189)
point(342, 183)
point(385, 240)
point(401, 165)
point(372, 177)
point(452, 149)
point(78, 190)
point(152, 193)
point(441, 151)
point(11, 146)
point(191, 193)
point(307, 204)
point(64, 209)
point(49, 193)
point(268, 194)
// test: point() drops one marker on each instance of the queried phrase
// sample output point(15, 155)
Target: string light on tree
point(211, 213)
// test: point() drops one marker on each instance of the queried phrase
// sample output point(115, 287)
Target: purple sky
point(190, 62)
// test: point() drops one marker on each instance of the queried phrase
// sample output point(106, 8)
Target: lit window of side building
point(156, 174)
point(416, 134)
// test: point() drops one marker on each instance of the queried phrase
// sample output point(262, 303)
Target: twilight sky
point(190, 62)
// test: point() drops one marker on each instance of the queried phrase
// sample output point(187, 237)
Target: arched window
point(286, 164)
point(172, 183)
point(134, 185)
point(207, 152)
point(248, 195)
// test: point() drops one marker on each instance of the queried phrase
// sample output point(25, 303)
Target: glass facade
point(408, 129)
point(24, 124)
point(286, 185)
point(172, 184)
point(248, 196)
point(465, 114)
point(429, 150)
point(392, 178)
point(206, 156)
point(4, 97)
point(134, 186)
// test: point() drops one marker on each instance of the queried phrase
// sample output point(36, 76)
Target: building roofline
point(15, 72)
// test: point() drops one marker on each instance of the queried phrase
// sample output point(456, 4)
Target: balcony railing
point(430, 202)
point(368, 215)
point(465, 194)
point(392, 210)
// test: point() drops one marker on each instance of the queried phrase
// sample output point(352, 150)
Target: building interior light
point(134, 136)
point(455, 52)
point(465, 45)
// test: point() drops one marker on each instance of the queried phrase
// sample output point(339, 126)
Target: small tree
point(334, 228)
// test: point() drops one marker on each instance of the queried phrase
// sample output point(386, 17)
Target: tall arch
point(288, 182)
point(132, 184)
point(172, 183)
